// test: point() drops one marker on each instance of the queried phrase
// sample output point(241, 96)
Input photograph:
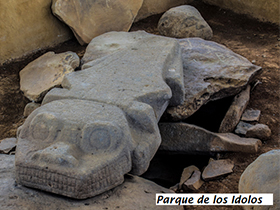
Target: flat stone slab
point(127, 68)
point(134, 193)
point(262, 176)
point(183, 22)
point(103, 123)
point(8, 144)
point(89, 19)
point(251, 115)
point(194, 182)
point(187, 173)
point(235, 111)
point(217, 168)
point(211, 72)
point(46, 72)
point(183, 138)
point(242, 128)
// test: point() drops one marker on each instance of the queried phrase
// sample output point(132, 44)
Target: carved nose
point(59, 154)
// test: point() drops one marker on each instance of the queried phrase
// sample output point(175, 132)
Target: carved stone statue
point(103, 123)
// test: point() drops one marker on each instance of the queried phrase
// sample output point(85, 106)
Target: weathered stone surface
point(260, 131)
point(89, 19)
point(261, 9)
point(45, 73)
point(138, 68)
point(153, 7)
point(8, 144)
point(242, 128)
point(262, 176)
point(184, 22)
point(30, 107)
point(190, 139)
point(28, 26)
point(235, 111)
point(217, 168)
point(187, 173)
point(194, 183)
point(251, 115)
point(134, 193)
point(103, 123)
point(211, 72)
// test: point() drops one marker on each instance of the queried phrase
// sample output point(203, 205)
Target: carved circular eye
point(41, 126)
point(99, 136)
point(41, 131)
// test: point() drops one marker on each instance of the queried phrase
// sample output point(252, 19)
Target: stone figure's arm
point(145, 133)
point(173, 76)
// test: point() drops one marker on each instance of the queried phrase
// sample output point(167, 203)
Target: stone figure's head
point(75, 148)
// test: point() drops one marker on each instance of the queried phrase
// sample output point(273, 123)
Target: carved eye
point(100, 136)
point(42, 126)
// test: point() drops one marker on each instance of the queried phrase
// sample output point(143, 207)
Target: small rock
point(30, 107)
point(262, 176)
point(235, 111)
point(251, 115)
point(217, 168)
point(183, 22)
point(259, 131)
point(253, 61)
point(190, 139)
point(8, 144)
point(242, 128)
point(194, 183)
point(46, 72)
point(187, 173)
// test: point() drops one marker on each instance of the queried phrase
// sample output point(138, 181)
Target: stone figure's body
point(103, 123)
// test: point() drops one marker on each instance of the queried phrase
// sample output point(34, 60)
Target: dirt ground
point(258, 42)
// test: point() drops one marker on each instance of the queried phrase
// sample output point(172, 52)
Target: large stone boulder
point(89, 19)
point(28, 26)
point(262, 176)
point(211, 72)
point(184, 22)
point(46, 72)
point(134, 193)
point(153, 7)
point(261, 9)
point(103, 123)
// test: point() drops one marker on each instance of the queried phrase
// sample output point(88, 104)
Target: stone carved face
point(74, 148)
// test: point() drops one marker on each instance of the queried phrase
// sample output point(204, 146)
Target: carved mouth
point(76, 185)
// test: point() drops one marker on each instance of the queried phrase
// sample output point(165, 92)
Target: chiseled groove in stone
point(102, 179)
point(68, 185)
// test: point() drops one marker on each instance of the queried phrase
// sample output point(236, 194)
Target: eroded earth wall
point(28, 26)
point(264, 10)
